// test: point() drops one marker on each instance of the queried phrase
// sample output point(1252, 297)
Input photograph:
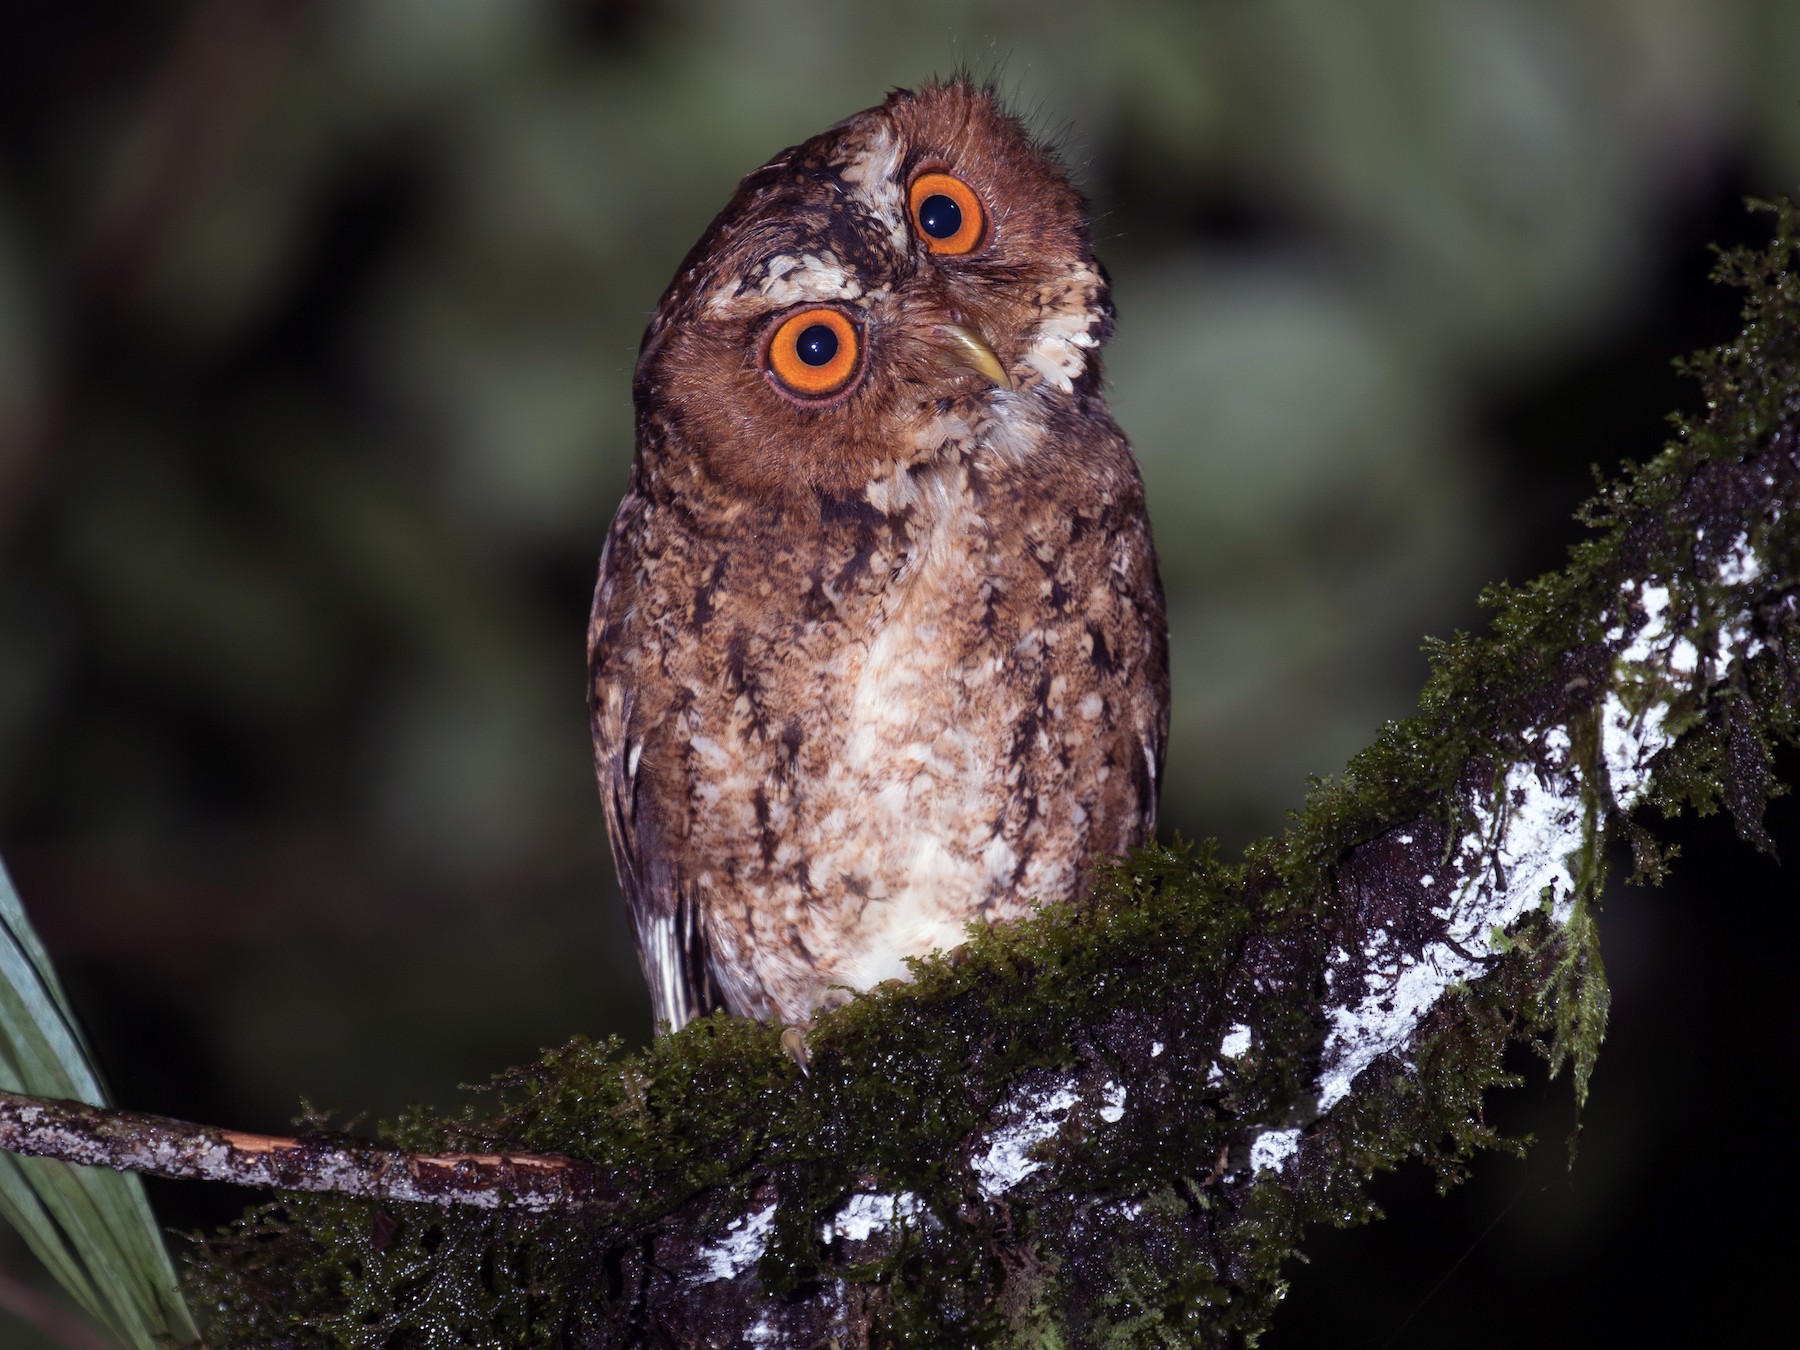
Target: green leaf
point(92, 1228)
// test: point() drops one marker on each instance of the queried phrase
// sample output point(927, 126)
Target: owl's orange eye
point(814, 353)
point(946, 213)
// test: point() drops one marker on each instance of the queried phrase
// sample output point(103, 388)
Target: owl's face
point(921, 265)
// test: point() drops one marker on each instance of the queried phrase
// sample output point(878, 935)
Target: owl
point(878, 647)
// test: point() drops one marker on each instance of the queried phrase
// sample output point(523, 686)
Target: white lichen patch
point(864, 1216)
point(1272, 1149)
point(833, 1302)
point(1740, 566)
point(1031, 1119)
point(1007, 1161)
point(1517, 856)
point(1634, 718)
point(1517, 851)
point(746, 1239)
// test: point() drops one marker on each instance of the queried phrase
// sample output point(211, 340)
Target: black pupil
point(939, 216)
point(817, 345)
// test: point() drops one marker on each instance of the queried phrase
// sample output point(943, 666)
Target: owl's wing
point(662, 905)
point(1155, 741)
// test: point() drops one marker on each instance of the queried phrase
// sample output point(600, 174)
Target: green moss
point(1140, 1243)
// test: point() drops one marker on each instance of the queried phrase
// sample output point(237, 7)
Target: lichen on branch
point(1112, 1124)
point(128, 1141)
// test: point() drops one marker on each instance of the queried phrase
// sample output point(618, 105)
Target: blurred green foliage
point(316, 324)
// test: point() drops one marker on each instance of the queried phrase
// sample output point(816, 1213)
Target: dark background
point(316, 324)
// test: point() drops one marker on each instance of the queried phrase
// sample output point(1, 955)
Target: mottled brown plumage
point(872, 663)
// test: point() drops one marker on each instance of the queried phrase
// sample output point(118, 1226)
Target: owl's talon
point(793, 1040)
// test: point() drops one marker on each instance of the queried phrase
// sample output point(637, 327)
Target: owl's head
point(919, 274)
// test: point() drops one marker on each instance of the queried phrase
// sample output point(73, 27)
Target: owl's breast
point(875, 731)
point(862, 676)
point(908, 833)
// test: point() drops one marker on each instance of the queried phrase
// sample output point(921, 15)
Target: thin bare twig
point(127, 1141)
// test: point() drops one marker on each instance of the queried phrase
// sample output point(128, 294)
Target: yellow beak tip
point(971, 351)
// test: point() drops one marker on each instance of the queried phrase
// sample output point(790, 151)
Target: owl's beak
point(970, 350)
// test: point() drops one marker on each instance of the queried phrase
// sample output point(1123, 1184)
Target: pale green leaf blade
point(92, 1228)
point(20, 1207)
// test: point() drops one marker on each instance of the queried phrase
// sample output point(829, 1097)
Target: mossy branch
point(1111, 1126)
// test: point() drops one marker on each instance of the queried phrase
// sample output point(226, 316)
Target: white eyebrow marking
point(873, 178)
point(786, 279)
